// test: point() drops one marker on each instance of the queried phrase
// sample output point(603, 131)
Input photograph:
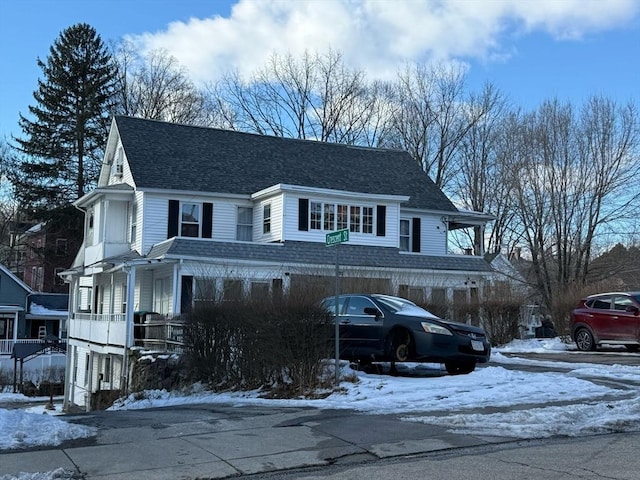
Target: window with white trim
point(190, 220)
point(134, 223)
point(330, 217)
point(354, 219)
point(244, 226)
point(266, 219)
point(315, 210)
point(405, 235)
point(343, 217)
point(367, 219)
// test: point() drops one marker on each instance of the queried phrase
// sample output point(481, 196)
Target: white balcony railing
point(156, 332)
point(107, 329)
point(6, 346)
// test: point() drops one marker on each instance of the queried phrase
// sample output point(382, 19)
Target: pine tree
point(62, 146)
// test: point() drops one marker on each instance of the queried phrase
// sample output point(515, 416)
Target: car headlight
point(433, 328)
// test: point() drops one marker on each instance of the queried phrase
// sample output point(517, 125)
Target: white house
point(183, 212)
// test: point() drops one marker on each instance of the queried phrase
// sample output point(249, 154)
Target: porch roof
point(33, 349)
point(307, 253)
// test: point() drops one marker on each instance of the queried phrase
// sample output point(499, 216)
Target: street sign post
point(335, 239)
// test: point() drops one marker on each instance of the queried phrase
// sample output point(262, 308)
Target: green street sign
point(335, 238)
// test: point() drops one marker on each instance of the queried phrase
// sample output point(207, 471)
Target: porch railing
point(160, 332)
point(6, 346)
point(150, 331)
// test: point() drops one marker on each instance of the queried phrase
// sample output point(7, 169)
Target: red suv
point(607, 318)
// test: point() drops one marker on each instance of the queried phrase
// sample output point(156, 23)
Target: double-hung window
point(266, 219)
point(133, 234)
point(329, 216)
point(405, 235)
point(190, 220)
point(367, 219)
point(343, 217)
point(244, 230)
point(410, 234)
point(354, 224)
point(315, 222)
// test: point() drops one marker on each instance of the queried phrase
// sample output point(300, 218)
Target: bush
point(277, 345)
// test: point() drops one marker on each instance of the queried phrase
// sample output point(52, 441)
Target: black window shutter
point(207, 220)
point(303, 214)
point(415, 235)
point(173, 220)
point(381, 222)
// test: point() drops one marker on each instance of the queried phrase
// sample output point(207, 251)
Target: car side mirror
point(371, 311)
point(632, 309)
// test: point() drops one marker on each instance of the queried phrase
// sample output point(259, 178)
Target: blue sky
point(531, 50)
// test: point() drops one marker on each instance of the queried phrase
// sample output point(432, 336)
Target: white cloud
point(375, 35)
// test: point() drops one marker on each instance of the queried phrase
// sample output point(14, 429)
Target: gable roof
point(181, 157)
point(18, 283)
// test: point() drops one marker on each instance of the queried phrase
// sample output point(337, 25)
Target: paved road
point(220, 441)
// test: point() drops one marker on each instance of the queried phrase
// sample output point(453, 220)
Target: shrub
point(272, 344)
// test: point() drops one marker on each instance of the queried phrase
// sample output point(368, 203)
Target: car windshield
point(401, 306)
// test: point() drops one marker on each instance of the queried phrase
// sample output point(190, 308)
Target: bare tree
point(478, 184)
point(573, 178)
point(156, 87)
point(315, 97)
point(432, 117)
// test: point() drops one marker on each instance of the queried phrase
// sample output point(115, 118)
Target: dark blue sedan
point(383, 328)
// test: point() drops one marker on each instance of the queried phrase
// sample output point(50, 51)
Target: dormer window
point(266, 219)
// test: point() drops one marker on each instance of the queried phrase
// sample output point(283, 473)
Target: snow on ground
point(428, 396)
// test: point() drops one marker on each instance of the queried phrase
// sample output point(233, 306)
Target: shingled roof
point(181, 157)
point(308, 253)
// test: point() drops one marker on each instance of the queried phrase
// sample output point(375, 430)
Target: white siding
point(433, 238)
point(225, 217)
point(155, 208)
point(275, 235)
point(291, 232)
point(115, 228)
point(154, 227)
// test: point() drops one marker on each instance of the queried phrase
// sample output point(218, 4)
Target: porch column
point(177, 289)
point(16, 316)
point(131, 286)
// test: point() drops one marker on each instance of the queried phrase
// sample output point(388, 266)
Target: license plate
point(477, 346)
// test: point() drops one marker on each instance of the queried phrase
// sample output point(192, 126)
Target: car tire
point(399, 346)
point(459, 368)
point(584, 340)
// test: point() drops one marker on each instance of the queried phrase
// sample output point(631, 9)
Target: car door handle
point(345, 321)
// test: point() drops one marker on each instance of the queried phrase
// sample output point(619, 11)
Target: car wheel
point(459, 368)
point(400, 346)
point(632, 348)
point(584, 340)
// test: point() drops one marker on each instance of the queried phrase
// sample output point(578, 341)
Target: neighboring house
point(30, 318)
point(184, 213)
point(13, 301)
point(41, 253)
